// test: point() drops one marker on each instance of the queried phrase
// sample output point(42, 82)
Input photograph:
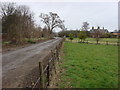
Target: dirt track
point(16, 65)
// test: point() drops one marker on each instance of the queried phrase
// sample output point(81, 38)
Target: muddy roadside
point(56, 79)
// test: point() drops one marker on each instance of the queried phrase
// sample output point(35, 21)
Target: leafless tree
point(6, 10)
point(97, 34)
point(17, 22)
point(85, 26)
point(26, 21)
point(51, 21)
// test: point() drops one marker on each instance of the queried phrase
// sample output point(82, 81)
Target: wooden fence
point(103, 43)
point(47, 67)
point(115, 43)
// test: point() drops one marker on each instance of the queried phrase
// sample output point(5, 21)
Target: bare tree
point(17, 22)
point(6, 10)
point(26, 21)
point(97, 34)
point(85, 26)
point(51, 21)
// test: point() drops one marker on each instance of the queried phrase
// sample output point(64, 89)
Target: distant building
point(101, 30)
point(116, 33)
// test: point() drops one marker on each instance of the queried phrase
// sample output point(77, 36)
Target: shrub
point(31, 41)
point(71, 36)
point(82, 35)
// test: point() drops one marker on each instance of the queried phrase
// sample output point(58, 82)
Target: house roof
point(101, 30)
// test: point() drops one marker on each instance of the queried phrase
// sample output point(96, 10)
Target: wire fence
point(47, 67)
point(105, 42)
point(102, 43)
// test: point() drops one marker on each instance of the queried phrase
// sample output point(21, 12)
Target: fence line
point(104, 43)
point(47, 67)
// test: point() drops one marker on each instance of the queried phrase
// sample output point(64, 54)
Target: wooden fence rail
point(47, 67)
point(103, 43)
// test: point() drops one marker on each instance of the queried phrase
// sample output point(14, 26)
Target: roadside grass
point(7, 45)
point(89, 66)
point(27, 40)
point(34, 40)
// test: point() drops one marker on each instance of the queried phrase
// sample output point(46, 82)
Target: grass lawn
point(89, 66)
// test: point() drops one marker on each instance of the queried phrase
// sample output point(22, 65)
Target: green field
point(89, 66)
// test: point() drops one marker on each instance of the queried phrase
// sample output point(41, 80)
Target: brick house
point(102, 31)
point(116, 33)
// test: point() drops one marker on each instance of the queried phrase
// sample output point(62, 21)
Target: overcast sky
point(103, 14)
point(119, 15)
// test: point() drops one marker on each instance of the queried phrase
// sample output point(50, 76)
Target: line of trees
point(18, 23)
point(81, 36)
point(83, 33)
point(84, 28)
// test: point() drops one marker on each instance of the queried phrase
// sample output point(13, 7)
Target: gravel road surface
point(19, 63)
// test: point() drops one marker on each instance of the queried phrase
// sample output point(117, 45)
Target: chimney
point(98, 27)
point(103, 28)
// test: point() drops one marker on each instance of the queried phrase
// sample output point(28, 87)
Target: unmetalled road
point(19, 63)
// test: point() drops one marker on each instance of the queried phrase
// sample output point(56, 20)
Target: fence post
point(106, 42)
point(117, 43)
point(87, 41)
point(56, 52)
point(48, 73)
point(41, 75)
